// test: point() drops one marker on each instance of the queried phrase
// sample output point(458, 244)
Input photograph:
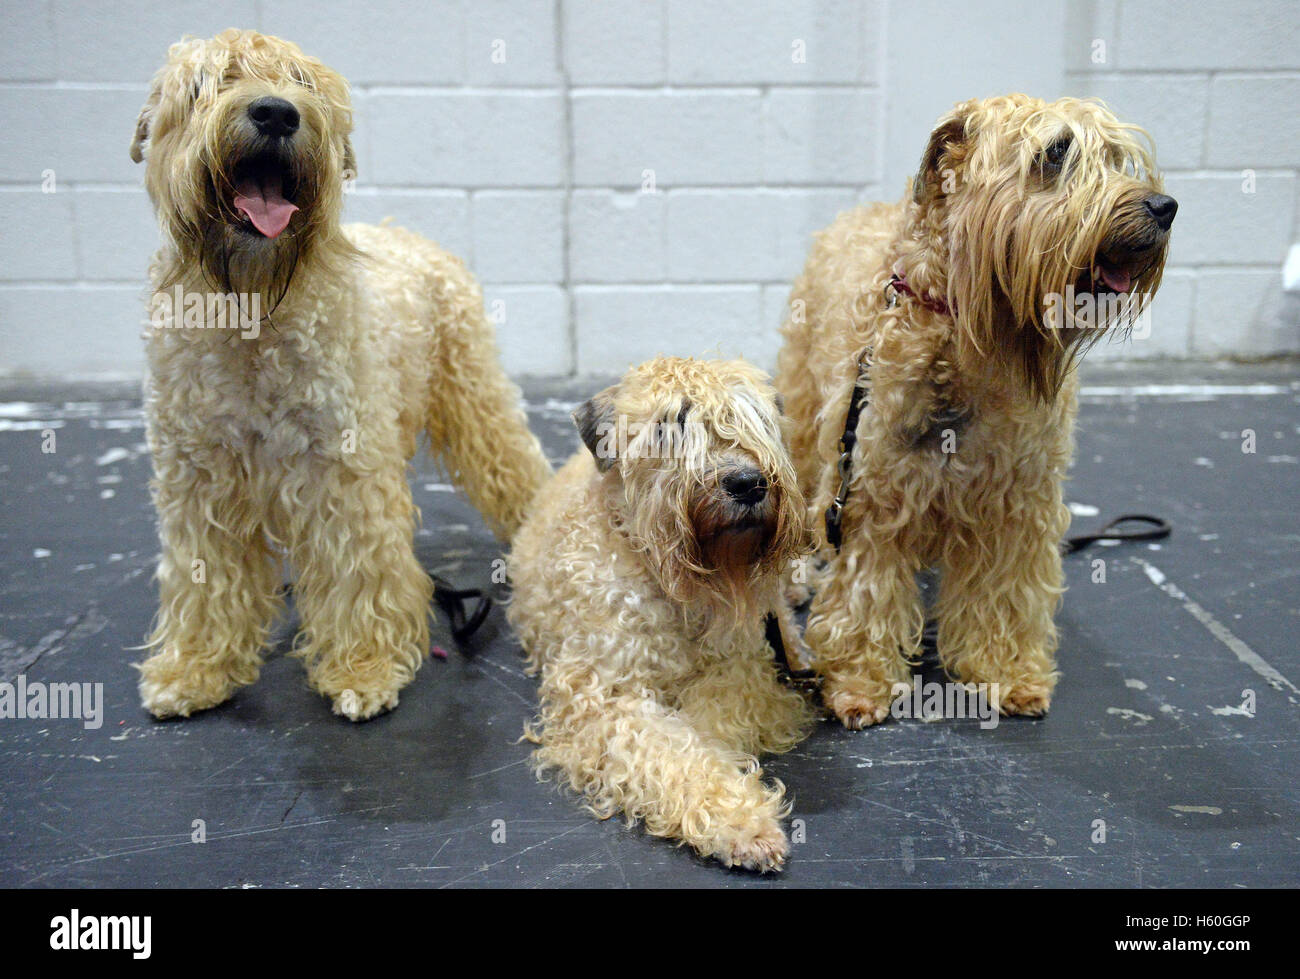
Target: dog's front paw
point(359, 687)
point(362, 705)
point(170, 687)
point(854, 708)
point(1027, 698)
point(762, 849)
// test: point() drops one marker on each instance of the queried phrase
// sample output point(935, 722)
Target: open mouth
point(1116, 270)
point(264, 193)
point(1114, 277)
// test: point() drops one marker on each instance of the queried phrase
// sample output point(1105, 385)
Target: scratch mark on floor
point(500, 768)
point(292, 804)
point(1217, 629)
point(489, 866)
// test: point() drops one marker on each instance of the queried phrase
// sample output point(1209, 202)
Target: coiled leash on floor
point(1157, 530)
point(452, 602)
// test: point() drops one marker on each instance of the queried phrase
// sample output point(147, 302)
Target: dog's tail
point(475, 415)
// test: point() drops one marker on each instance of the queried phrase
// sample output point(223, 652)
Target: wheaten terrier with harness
point(928, 366)
point(642, 582)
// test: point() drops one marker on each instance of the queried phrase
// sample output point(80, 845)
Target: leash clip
point(845, 467)
point(891, 290)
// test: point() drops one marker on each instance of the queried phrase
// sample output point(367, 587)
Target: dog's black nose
point(273, 116)
point(1162, 209)
point(747, 486)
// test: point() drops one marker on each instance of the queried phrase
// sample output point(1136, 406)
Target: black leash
point(1157, 529)
point(772, 631)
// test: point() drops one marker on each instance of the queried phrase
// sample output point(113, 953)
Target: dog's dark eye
point(1054, 155)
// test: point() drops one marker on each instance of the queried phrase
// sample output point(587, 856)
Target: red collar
point(899, 284)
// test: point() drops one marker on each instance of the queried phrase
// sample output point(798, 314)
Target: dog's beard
point(738, 551)
point(237, 256)
point(733, 538)
point(707, 553)
point(233, 261)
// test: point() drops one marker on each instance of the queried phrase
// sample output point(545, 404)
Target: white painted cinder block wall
point(532, 168)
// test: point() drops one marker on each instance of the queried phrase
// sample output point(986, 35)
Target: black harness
point(848, 441)
point(1156, 528)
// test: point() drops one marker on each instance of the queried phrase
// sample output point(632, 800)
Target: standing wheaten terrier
point(642, 580)
point(952, 321)
point(293, 365)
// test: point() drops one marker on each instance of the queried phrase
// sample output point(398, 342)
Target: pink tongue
point(1118, 279)
point(264, 206)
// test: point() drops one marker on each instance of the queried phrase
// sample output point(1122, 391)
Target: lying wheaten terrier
point(951, 321)
point(293, 365)
point(642, 581)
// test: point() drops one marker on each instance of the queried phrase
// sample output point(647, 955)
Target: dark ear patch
point(950, 134)
point(349, 160)
point(596, 423)
point(141, 134)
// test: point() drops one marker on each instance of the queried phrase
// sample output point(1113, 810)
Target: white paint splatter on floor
point(1137, 717)
point(115, 454)
point(1230, 711)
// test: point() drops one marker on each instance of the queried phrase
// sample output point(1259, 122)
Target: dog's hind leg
point(633, 755)
point(476, 423)
point(218, 583)
point(363, 597)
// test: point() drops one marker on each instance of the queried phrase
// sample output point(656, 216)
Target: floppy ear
point(596, 422)
point(142, 123)
point(941, 153)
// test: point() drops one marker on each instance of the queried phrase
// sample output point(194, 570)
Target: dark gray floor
point(1147, 730)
